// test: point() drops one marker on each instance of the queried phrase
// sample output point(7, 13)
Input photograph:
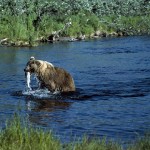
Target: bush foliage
point(31, 19)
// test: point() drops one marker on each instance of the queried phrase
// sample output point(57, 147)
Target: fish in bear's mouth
point(31, 71)
point(28, 80)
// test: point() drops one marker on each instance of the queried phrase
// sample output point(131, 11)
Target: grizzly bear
point(53, 78)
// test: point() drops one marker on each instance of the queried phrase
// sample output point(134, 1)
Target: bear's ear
point(32, 58)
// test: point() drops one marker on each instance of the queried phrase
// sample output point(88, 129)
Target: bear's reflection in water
point(50, 105)
point(42, 112)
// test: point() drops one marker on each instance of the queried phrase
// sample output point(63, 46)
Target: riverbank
point(51, 39)
point(96, 35)
point(78, 27)
point(28, 23)
point(18, 135)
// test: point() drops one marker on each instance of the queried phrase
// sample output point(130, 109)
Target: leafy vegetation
point(31, 20)
point(19, 136)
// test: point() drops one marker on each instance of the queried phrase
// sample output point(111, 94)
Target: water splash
point(38, 93)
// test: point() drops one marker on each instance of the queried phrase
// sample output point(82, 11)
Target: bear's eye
point(31, 64)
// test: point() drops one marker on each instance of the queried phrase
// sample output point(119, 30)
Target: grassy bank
point(27, 22)
point(17, 136)
point(18, 31)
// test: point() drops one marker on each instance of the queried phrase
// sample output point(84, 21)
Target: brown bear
point(50, 77)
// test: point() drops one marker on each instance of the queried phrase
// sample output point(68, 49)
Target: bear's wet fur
point(53, 78)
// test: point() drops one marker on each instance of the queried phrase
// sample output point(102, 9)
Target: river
point(112, 77)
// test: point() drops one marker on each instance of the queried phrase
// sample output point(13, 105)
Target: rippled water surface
point(112, 78)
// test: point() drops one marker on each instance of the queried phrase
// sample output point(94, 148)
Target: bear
point(53, 78)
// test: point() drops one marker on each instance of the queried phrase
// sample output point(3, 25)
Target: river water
point(112, 77)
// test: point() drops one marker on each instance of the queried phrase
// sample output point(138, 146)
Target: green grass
point(19, 136)
point(94, 144)
point(20, 28)
point(141, 144)
point(28, 21)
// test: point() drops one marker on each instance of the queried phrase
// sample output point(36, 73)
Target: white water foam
point(38, 93)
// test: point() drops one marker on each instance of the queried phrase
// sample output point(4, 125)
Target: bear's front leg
point(51, 86)
point(37, 81)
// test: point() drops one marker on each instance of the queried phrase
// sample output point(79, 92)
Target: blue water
point(112, 77)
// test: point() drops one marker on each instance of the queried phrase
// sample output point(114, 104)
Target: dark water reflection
point(112, 77)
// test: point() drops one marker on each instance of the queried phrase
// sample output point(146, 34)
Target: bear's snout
point(27, 69)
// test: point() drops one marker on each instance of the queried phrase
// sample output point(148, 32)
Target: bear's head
point(32, 66)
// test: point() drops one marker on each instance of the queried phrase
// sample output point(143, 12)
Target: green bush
point(29, 20)
point(45, 26)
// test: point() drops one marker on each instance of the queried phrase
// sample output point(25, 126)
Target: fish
point(28, 80)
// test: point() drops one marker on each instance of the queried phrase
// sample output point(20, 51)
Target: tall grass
point(19, 136)
point(141, 144)
point(29, 20)
point(131, 25)
point(94, 144)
